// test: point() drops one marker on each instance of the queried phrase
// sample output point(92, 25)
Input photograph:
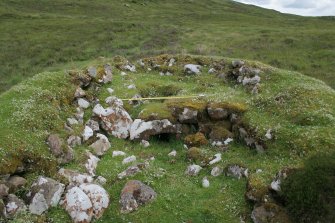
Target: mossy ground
point(32, 110)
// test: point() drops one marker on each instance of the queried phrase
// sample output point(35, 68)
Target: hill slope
point(36, 35)
point(298, 110)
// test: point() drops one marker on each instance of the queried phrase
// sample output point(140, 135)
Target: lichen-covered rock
point(129, 159)
point(237, 63)
point(92, 72)
point(115, 119)
point(217, 113)
point(74, 177)
point(101, 146)
point(14, 205)
point(216, 171)
point(98, 197)
point(237, 171)
point(79, 93)
point(192, 69)
point(193, 170)
point(105, 74)
point(100, 180)
point(94, 125)
point(87, 133)
point(247, 76)
point(134, 194)
point(212, 71)
point(81, 78)
point(82, 103)
point(280, 176)
point(145, 143)
point(78, 205)
point(113, 102)
point(143, 130)
point(118, 153)
point(197, 139)
point(130, 171)
point(205, 182)
point(270, 213)
point(79, 115)
point(91, 163)
point(188, 116)
point(251, 140)
point(74, 141)
point(72, 121)
point(130, 67)
point(254, 80)
point(172, 61)
point(44, 193)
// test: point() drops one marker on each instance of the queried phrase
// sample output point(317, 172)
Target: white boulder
point(82, 103)
point(192, 68)
point(88, 133)
point(129, 159)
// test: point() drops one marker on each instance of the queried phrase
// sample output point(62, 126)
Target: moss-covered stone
point(158, 60)
point(197, 139)
point(220, 133)
point(185, 59)
point(232, 107)
point(10, 164)
point(195, 154)
point(80, 78)
point(100, 72)
point(119, 61)
point(256, 188)
point(170, 69)
point(206, 127)
point(180, 104)
point(156, 111)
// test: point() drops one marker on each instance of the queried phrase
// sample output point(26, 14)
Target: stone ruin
point(195, 121)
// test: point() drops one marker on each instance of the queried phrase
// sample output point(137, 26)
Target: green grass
point(31, 111)
point(299, 109)
point(40, 35)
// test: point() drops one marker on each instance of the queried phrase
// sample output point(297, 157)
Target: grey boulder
point(134, 194)
point(44, 193)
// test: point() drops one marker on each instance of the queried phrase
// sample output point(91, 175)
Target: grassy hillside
point(40, 35)
point(300, 110)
